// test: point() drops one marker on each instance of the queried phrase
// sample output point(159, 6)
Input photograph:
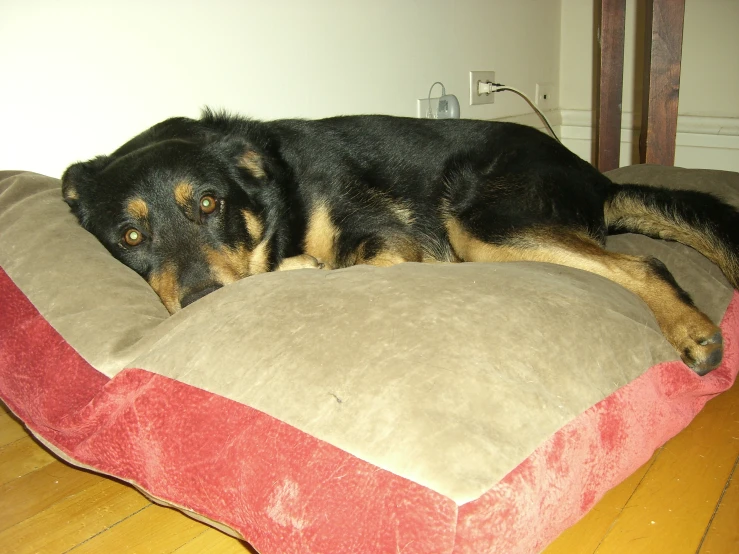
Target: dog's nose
point(191, 297)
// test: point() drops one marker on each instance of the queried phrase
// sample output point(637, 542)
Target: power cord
point(487, 88)
point(429, 113)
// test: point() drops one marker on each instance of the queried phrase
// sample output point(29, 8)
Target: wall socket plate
point(544, 94)
point(485, 77)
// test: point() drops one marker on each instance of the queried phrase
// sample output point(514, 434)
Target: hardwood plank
point(673, 504)
point(214, 542)
point(723, 534)
point(21, 457)
point(610, 90)
point(585, 536)
point(36, 491)
point(74, 519)
point(3, 407)
point(154, 529)
point(662, 59)
point(10, 429)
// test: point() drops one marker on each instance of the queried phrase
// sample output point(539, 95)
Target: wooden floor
point(684, 500)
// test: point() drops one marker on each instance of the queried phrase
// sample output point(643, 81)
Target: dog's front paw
point(704, 353)
point(303, 261)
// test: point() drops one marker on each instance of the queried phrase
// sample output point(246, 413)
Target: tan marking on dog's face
point(321, 235)
point(227, 264)
point(184, 194)
point(253, 162)
point(164, 283)
point(138, 209)
point(254, 225)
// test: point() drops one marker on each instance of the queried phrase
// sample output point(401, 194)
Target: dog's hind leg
point(691, 333)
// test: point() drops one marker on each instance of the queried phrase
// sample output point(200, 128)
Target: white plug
point(485, 87)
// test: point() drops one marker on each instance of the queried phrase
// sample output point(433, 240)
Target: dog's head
point(188, 208)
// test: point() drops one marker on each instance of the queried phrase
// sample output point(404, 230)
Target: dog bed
point(432, 408)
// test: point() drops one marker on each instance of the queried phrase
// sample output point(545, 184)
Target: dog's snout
point(197, 295)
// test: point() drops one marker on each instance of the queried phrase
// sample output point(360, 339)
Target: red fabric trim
point(287, 491)
point(567, 475)
point(282, 489)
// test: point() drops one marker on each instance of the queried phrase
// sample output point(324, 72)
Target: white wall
point(708, 121)
point(79, 77)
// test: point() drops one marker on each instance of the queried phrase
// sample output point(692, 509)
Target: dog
point(192, 205)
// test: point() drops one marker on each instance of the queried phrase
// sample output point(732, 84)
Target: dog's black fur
point(192, 205)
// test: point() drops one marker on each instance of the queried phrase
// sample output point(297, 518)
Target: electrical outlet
point(544, 92)
point(477, 77)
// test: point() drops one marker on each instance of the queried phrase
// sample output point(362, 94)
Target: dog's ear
point(248, 145)
point(78, 178)
point(253, 161)
point(250, 158)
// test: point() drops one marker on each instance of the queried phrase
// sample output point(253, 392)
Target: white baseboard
point(701, 142)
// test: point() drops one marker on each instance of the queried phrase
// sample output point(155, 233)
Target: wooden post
point(610, 89)
point(663, 47)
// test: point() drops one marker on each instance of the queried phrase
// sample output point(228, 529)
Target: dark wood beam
point(663, 47)
point(610, 89)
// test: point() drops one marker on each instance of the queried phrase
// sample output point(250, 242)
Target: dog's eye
point(133, 237)
point(208, 204)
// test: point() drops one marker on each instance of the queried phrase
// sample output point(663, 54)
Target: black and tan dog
point(193, 205)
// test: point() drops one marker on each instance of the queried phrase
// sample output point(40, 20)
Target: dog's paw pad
point(705, 354)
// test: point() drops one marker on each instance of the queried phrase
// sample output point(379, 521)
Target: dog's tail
point(696, 219)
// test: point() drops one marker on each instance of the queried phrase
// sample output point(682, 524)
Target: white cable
point(485, 88)
point(429, 111)
point(489, 88)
